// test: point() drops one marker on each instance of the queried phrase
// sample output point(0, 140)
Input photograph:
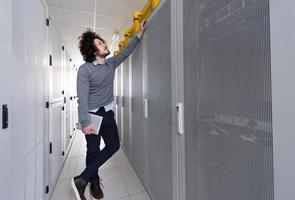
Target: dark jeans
point(94, 156)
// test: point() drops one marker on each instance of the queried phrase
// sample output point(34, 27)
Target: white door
point(5, 105)
point(56, 112)
point(5, 133)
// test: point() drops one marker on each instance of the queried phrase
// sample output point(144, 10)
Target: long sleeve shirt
point(95, 83)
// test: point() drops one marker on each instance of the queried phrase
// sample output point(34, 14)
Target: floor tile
point(133, 183)
point(141, 196)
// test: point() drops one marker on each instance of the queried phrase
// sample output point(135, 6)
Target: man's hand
point(89, 130)
point(143, 27)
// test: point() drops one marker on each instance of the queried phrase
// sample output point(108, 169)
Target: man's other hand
point(89, 130)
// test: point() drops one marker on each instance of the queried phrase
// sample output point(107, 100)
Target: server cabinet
point(138, 144)
point(56, 106)
point(55, 145)
point(73, 102)
point(125, 106)
point(18, 98)
point(55, 61)
point(227, 98)
point(36, 54)
point(22, 69)
point(119, 101)
point(115, 105)
point(67, 100)
point(5, 133)
point(159, 163)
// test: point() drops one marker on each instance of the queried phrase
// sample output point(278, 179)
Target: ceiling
point(72, 17)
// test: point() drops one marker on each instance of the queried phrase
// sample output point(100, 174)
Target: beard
point(107, 53)
point(104, 54)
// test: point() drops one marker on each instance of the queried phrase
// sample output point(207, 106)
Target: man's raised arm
point(120, 57)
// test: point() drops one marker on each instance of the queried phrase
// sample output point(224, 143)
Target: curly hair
point(87, 46)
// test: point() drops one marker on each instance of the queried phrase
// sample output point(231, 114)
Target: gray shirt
point(95, 83)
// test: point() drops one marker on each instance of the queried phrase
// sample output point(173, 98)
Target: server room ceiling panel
point(72, 17)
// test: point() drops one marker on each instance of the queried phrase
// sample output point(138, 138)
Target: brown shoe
point(79, 185)
point(95, 190)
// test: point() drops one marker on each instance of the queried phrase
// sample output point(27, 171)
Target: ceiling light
point(116, 36)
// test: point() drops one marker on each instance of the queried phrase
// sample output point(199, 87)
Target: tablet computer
point(95, 121)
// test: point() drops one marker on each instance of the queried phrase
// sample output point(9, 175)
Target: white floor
point(118, 177)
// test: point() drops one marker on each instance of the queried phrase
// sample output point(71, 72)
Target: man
point(95, 95)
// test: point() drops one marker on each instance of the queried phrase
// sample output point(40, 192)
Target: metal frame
point(282, 71)
point(130, 101)
point(178, 141)
point(145, 96)
point(46, 119)
point(121, 107)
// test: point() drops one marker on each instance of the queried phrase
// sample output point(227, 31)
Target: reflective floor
point(119, 179)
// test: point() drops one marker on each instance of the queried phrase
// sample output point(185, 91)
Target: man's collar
point(96, 63)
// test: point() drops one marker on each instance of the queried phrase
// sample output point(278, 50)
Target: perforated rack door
point(159, 104)
point(228, 100)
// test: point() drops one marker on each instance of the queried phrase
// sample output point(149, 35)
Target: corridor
point(120, 181)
